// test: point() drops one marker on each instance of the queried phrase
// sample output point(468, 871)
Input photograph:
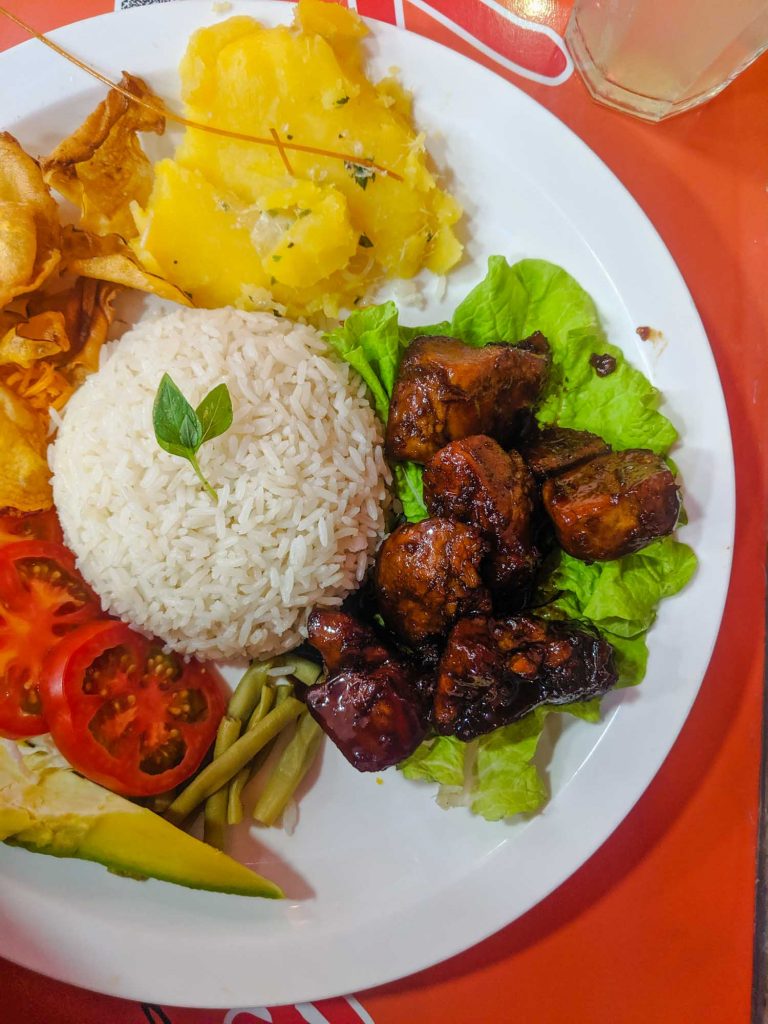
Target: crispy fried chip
point(109, 258)
point(29, 223)
point(48, 352)
point(24, 473)
point(40, 337)
point(42, 386)
point(87, 310)
point(101, 167)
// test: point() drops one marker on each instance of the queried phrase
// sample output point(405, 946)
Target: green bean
point(268, 695)
point(282, 693)
point(248, 690)
point(245, 697)
point(222, 769)
point(160, 803)
point(289, 771)
point(236, 786)
point(306, 671)
point(215, 817)
point(284, 690)
point(278, 682)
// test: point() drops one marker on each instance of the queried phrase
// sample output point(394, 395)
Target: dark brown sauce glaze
point(648, 333)
point(603, 365)
point(494, 671)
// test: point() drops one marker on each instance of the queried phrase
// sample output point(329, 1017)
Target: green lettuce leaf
point(620, 597)
point(507, 780)
point(369, 340)
point(438, 760)
point(409, 484)
point(534, 295)
point(500, 778)
point(372, 342)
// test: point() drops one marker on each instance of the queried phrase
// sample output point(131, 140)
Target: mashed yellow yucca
point(228, 223)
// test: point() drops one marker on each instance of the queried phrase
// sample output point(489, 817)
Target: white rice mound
point(300, 476)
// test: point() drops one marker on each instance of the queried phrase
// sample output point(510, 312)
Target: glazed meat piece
point(446, 390)
point(427, 575)
point(371, 704)
point(476, 482)
point(494, 671)
point(554, 449)
point(612, 505)
point(340, 639)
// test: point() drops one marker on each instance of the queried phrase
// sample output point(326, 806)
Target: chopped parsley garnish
point(361, 174)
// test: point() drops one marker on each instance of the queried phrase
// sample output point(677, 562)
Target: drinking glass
point(657, 58)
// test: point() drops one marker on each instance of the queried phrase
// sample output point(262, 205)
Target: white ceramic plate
point(381, 881)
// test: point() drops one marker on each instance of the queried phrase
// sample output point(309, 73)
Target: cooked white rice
point(300, 476)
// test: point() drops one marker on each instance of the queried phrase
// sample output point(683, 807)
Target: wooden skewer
point(275, 141)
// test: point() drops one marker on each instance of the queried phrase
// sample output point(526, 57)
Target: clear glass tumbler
point(656, 58)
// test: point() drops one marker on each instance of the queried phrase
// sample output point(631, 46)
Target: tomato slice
point(16, 526)
point(127, 715)
point(42, 598)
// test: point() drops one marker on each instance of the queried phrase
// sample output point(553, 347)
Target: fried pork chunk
point(371, 704)
point(427, 575)
point(554, 449)
point(494, 671)
point(476, 482)
point(612, 505)
point(446, 390)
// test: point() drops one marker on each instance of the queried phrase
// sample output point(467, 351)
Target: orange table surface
point(658, 925)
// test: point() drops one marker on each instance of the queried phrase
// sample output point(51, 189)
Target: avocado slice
point(47, 808)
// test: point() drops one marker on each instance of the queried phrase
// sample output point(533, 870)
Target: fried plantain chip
point(30, 234)
point(42, 386)
point(24, 474)
point(47, 353)
point(88, 311)
point(101, 167)
point(110, 258)
point(40, 337)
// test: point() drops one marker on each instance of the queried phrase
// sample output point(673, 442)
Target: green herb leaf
point(215, 413)
point(177, 428)
point(360, 173)
point(181, 430)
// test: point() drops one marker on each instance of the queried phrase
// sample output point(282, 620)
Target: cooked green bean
point(289, 771)
point(160, 803)
point(222, 769)
point(281, 682)
point(265, 704)
point(248, 690)
point(284, 690)
point(282, 693)
point(306, 671)
point(236, 786)
point(215, 817)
